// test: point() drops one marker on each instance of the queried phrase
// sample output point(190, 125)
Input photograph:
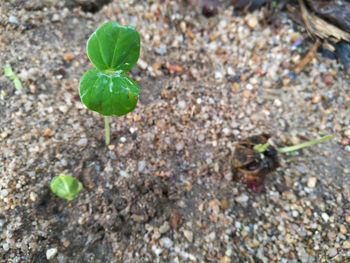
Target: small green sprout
point(65, 186)
point(261, 148)
point(113, 49)
point(9, 73)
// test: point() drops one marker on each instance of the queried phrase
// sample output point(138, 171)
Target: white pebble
point(325, 217)
point(4, 192)
point(82, 142)
point(141, 166)
point(188, 235)
point(311, 182)
point(142, 64)
point(13, 20)
point(242, 198)
point(218, 75)
point(156, 250)
point(179, 146)
point(33, 196)
point(5, 246)
point(166, 242)
point(123, 174)
point(51, 253)
point(226, 131)
point(182, 104)
point(230, 71)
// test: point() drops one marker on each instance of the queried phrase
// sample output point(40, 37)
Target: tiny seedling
point(9, 73)
point(113, 49)
point(254, 157)
point(65, 186)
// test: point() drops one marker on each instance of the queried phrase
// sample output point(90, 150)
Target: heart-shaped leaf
point(108, 93)
point(114, 47)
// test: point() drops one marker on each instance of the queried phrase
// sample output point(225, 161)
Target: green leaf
point(65, 186)
point(114, 47)
point(108, 93)
point(8, 71)
point(17, 83)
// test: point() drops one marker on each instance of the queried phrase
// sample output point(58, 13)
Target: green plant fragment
point(108, 93)
point(8, 71)
point(17, 83)
point(114, 47)
point(260, 148)
point(65, 186)
point(303, 145)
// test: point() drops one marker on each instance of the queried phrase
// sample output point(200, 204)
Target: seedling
point(254, 157)
point(9, 73)
point(113, 49)
point(65, 186)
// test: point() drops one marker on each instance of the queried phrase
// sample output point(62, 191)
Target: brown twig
point(307, 58)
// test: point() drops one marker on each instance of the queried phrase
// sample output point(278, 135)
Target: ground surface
point(165, 190)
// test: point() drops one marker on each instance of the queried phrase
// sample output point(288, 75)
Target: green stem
point(107, 135)
point(302, 145)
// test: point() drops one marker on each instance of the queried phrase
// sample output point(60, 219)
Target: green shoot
point(65, 186)
point(261, 148)
point(303, 145)
point(113, 49)
point(107, 135)
point(9, 73)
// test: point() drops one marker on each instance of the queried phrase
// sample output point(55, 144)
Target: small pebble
point(317, 98)
point(55, 18)
point(311, 182)
point(165, 227)
point(345, 141)
point(347, 133)
point(141, 166)
point(179, 146)
point(68, 56)
point(252, 21)
point(51, 253)
point(82, 142)
point(242, 198)
point(328, 79)
point(332, 252)
point(346, 244)
point(33, 196)
point(188, 235)
point(347, 148)
point(142, 64)
point(325, 217)
point(13, 20)
point(4, 135)
point(5, 246)
point(343, 229)
point(166, 242)
point(161, 50)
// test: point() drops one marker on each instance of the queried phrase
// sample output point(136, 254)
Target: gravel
point(165, 190)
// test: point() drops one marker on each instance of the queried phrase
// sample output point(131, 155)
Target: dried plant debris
point(330, 22)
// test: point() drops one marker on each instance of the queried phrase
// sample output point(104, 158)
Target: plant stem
point(302, 145)
point(107, 135)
